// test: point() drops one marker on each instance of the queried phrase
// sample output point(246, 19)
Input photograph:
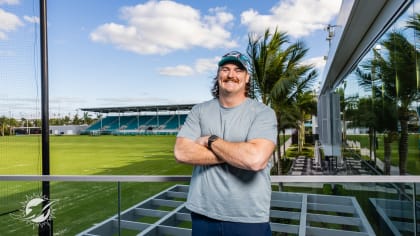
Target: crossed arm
point(251, 155)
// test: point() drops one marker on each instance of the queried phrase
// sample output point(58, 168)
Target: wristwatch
point(211, 139)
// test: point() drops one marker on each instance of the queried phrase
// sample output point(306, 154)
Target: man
point(229, 140)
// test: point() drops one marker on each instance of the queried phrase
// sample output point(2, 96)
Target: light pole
point(331, 33)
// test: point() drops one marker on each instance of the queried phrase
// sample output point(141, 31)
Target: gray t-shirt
point(222, 191)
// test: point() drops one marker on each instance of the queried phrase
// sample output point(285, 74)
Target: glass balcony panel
point(380, 100)
point(157, 208)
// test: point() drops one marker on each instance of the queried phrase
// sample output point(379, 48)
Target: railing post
point(119, 207)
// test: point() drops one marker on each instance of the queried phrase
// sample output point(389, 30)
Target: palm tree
point(7, 125)
point(287, 115)
point(414, 23)
point(86, 118)
point(361, 114)
point(388, 125)
point(398, 75)
point(347, 105)
point(367, 115)
point(76, 120)
point(307, 106)
point(263, 51)
point(278, 73)
point(291, 105)
point(3, 123)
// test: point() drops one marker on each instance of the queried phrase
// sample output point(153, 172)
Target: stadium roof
point(152, 108)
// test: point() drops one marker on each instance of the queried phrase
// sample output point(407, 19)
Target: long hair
point(215, 89)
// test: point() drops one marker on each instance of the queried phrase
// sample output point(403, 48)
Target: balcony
point(154, 205)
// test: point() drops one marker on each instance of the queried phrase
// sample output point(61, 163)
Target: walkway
point(379, 163)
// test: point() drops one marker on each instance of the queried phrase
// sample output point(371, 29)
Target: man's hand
point(251, 155)
point(194, 152)
point(203, 141)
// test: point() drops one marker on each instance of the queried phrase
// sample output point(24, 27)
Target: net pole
point(45, 229)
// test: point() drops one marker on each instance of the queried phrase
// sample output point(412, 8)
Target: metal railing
point(182, 178)
point(308, 201)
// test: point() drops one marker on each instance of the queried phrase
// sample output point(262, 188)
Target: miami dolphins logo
point(36, 210)
point(40, 215)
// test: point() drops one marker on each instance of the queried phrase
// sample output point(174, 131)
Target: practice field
point(413, 158)
point(79, 205)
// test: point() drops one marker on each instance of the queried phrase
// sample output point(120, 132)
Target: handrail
point(184, 178)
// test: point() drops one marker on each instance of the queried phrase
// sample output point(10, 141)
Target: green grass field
point(81, 204)
point(413, 160)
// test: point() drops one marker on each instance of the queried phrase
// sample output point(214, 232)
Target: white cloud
point(296, 17)
point(159, 27)
point(204, 64)
point(8, 22)
point(317, 62)
point(31, 19)
point(201, 66)
point(179, 71)
point(9, 2)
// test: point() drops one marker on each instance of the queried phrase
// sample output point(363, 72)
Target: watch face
point(211, 140)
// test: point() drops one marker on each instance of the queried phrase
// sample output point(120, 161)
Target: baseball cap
point(235, 56)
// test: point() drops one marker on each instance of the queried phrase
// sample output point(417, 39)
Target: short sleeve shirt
point(222, 191)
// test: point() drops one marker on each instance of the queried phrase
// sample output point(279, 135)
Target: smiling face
point(232, 80)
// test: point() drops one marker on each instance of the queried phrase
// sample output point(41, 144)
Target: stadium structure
point(139, 120)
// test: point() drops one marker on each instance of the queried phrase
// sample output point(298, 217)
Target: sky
point(131, 53)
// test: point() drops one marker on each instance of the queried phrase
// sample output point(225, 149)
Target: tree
point(86, 118)
point(289, 102)
point(414, 23)
point(397, 72)
point(7, 125)
point(279, 75)
point(400, 75)
point(347, 105)
point(76, 120)
point(263, 51)
point(37, 123)
point(287, 115)
point(3, 123)
point(367, 116)
point(307, 106)
point(66, 120)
